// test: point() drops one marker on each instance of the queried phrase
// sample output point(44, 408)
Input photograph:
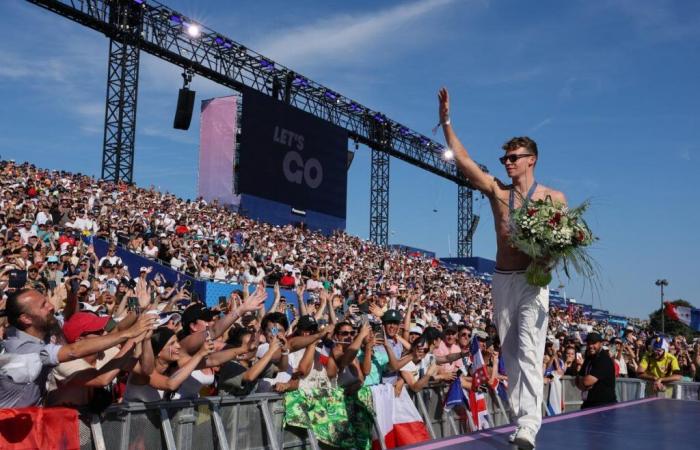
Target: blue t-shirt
point(380, 360)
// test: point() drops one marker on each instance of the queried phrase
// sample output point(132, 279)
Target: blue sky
point(608, 89)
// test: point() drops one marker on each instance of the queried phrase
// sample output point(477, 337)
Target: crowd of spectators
point(80, 330)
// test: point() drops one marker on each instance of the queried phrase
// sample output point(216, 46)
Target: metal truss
point(163, 33)
point(379, 198)
point(122, 91)
point(120, 112)
point(465, 218)
point(214, 56)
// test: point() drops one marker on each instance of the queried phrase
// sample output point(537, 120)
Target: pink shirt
point(444, 350)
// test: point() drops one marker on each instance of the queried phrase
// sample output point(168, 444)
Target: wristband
point(285, 353)
point(441, 124)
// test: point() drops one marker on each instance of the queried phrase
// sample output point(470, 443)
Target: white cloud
point(170, 134)
point(347, 37)
point(542, 124)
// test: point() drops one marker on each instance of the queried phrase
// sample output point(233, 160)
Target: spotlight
point(448, 154)
point(331, 95)
point(193, 30)
point(300, 81)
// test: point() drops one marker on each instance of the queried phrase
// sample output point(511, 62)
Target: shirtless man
point(520, 310)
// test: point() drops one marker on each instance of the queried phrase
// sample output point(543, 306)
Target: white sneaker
point(511, 436)
point(525, 439)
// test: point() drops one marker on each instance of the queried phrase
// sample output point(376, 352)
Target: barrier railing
point(256, 421)
point(686, 391)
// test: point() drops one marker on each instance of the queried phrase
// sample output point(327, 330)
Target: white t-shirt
point(60, 394)
point(221, 273)
point(150, 252)
point(416, 368)
point(266, 384)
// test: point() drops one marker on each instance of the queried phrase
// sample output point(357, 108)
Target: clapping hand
point(375, 310)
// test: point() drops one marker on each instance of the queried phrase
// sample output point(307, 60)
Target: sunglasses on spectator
point(346, 333)
point(513, 158)
point(465, 335)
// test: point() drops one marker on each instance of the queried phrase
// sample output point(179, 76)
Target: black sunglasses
point(513, 158)
point(346, 333)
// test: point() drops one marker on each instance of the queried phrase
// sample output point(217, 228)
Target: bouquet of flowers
point(553, 236)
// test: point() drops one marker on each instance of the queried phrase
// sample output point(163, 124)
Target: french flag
point(687, 315)
point(502, 387)
point(555, 399)
point(398, 420)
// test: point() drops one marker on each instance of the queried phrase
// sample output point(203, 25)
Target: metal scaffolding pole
point(122, 92)
point(379, 199)
point(465, 198)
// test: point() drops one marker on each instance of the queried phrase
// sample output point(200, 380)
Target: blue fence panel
point(215, 290)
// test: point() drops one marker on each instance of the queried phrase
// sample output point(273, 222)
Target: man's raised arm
point(478, 178)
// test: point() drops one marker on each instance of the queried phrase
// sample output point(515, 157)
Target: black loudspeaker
point(351, 156)
point(183, 114)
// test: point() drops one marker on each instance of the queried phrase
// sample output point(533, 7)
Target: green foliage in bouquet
point(553, 236)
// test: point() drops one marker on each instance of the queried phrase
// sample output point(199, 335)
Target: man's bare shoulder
point(554, 194)
point(501, 188)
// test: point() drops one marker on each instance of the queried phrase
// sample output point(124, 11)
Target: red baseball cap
point(81, 323)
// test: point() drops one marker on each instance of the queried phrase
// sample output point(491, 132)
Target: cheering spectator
point(80, 382)
point(31, 319)
point(420, 369)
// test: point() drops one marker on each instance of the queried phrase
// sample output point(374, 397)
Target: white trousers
point(521, 313)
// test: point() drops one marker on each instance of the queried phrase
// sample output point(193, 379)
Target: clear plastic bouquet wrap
point(553, 236)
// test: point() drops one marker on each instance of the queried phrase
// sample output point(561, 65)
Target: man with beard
point(659, 366)
point(32, 324)
point(596, 379)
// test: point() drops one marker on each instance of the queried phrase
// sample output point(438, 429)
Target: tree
point(673, 327)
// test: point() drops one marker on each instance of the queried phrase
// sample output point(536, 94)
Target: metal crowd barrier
point(211, 423)
point(255, 422)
